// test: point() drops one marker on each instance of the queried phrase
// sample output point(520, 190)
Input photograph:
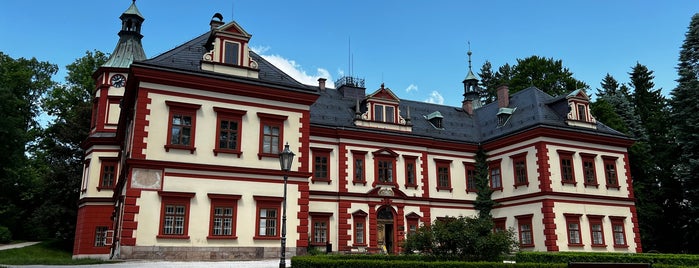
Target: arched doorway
point(385, 227)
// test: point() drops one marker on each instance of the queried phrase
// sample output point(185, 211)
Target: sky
point(417, 48)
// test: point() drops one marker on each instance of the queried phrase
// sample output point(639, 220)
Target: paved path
point(164, 264)
point(17, 245)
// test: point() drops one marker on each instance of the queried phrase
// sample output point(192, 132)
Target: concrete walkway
point(17, 245)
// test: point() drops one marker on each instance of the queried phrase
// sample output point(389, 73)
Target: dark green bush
point(5, 235)
point(683, 260)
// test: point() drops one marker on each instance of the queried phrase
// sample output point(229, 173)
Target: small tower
point(471, 89)
point(129, 48)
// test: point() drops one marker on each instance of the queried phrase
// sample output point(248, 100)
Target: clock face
point(118, 80)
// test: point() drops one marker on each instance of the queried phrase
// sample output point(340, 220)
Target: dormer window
point(579, 110)
point(436, 119)
point(504, 115)
point(384, 113)
point(231, 51)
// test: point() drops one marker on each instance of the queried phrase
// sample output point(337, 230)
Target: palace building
point(182, 160)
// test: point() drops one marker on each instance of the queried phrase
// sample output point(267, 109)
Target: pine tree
point(488, 83)
point(484, 202)
point(685, 129)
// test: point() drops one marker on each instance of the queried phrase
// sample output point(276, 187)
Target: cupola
point(472, 98)
point(129, 48)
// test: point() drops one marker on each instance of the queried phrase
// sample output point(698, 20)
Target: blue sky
point(417, 48)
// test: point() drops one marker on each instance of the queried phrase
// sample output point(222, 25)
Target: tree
point(484, 202)
point(685, 129)
point(22, 83)
point(60, 146)
point(488, 82)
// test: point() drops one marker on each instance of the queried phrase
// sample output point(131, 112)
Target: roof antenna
point(349, 55)
point(469, 55)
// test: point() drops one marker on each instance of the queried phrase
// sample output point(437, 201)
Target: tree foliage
point(484, 202)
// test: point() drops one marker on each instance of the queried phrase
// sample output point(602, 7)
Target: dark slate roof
point(533, 107)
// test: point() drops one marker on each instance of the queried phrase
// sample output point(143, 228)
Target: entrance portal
point(385, 230)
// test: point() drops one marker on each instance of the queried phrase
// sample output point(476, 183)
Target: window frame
point(384, 113)
point(86, 175)
point(443, 169)
point(520, 158)
point(319, 217)
point(230, 115)
point(492, 166)
point(104, 163)
point(271, 120)
point(174, 199)
point(499, 224)
point(100, 236)
point(589, 158)
point(388, 156)
point(410, 160)
point(570, 220)
point(582, 116)
point(321, 153)
point(238, 54)
point(607, 162)
point(267, 202)
point(412, 219)
point(470, 169)
point(182, 109)
point(523, 220)
point(596, 220)
point(618, 221)
point(564, 155)
point(223, 200)
point(359, 178)
point(359, 217)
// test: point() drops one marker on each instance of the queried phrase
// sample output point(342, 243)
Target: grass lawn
point(47, 253)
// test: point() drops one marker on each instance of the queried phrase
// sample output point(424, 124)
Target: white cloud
point(260, 49)
point(296, 71)
point(411, 87)
point(435, 97)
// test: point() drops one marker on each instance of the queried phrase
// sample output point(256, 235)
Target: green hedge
point(682, 260)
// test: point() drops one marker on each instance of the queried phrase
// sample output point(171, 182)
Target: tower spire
point(129, 48)
point(471, 90)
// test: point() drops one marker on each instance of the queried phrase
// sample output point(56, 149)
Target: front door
point(385, 230)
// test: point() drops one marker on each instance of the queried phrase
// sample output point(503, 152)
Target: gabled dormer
point(228, 50)
point(579, 112)
point(382, 110)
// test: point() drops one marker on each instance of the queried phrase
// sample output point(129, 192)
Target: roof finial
point(469, 55)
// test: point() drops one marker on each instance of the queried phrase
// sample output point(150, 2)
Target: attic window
point(436, 119)
point(582, 112)
point(384, 113)
point(230, 52)
point(504, 115)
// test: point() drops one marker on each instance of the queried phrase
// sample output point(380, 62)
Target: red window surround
point(385, 168)
point(410, 171)
point(183, 122)
point(321, 165)
point(524, 227)
point(320, 228)
point(596, 230)
point(271, 134)
point(611, 172)
point(359, 167)
point(413, 221)
point(471, 185)
point(360, 228)
point(589, 171)
point(108, 173)
point(519, 166)
point(224, 215)
point(229, 131)
point(567, 169)
point(174, 214)
point(500, 224)
point(443, 174)
point(495, 175)
point(618, 231)
point(268, 217)
point(573, 229)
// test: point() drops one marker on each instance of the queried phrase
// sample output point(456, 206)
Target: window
point(359, 228)
point(524, 224)
point(596, 230)
point(567, 171)
point(224, 210)
point(231, 52)
point(86, 175)
point(100, 236)
point(412, 220)
point(108, 173)
point(385, 170)
point(268, 210)
point(573, 228)
point(359, 176)
point(495, 176)
point(271, 133)
point(618, 231)
point(385, 161)
point(582, 112)
point(410, 171)
point(229, 130)
point(499, 225)
point(321, 164)
point(589, 173)
point(443, 174)
point(182, 126)
point(174, 214)
point(470, 177)
point(384, 113)
point(519, 163)
point(319, 228)
point(610, 172)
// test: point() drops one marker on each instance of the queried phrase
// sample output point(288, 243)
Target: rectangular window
point(618, 231)
point(182, 125)
point(231, 52)
point(610, 172)
point(100, 236)
point(359, 175)
point(443, 175)
point(470, 177)
point(524, 224)
point(384, 113)
point(359, 228)
point(378, 113)
point(319, 225)
point(499, 225)
point(573, 228)
point(412, 220)
point(596, 230)
point(268, 217)
point(582, 112)
point(589, 173)
point(108, 173)
point(495, 175)
point(390, 117)
point(174, 214)
point(86, 175)
point(229, 130)
point(567, 171)
point(321, 164)
point(519, 163)
point(385, 169)
point(223, 216)
point(359, 232)
point(271, 133)
point(410, 172)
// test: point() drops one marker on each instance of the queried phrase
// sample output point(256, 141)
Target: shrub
point(5, 235)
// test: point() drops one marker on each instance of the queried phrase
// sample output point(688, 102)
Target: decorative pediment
point(234, 29)
point(385, 152)
point(383, 94)
point(229, 52)
point(579, 110)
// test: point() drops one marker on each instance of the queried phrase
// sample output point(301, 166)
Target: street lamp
point(286, 158)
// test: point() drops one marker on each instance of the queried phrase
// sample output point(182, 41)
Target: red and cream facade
point(182, 164)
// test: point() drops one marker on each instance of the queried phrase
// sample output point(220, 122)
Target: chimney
point(503, 96)
point(467, 105)
point(321, 83)
point(216, 23)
